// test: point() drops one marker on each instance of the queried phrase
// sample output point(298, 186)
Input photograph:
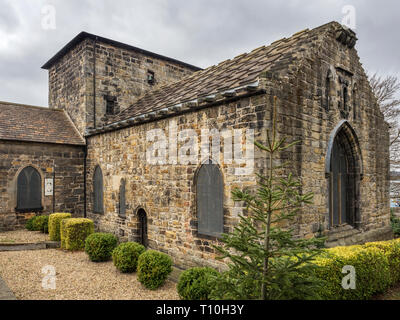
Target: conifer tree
point(265, 259)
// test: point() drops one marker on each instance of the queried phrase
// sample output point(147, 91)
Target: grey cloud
point(202, 32)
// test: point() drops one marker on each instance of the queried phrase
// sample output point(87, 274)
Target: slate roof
point(229, 75)
point(37, 124)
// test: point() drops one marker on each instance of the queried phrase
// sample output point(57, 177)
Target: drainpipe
point(84, 178)
point(54, 187)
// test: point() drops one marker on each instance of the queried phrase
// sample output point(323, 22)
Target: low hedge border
point(376, 267)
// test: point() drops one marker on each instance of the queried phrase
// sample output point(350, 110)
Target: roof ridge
point(24, 105)
point(278, 57)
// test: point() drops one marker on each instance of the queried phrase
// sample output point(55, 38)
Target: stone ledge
point(29, 246)
point(175, 274)
point(381, 234)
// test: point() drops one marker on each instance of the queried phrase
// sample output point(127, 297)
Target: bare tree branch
point(385, 90)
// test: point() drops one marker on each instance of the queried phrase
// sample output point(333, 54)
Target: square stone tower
point(116, 74)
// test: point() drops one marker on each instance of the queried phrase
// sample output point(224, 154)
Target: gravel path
point(77, 278)
point(23, 236)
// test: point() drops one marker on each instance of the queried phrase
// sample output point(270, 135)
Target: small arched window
point(98, 190)
point(29, 190)
point(122, 202)
point(210, 197)
point(142, 228)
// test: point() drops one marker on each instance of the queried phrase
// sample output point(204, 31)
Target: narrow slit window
point(328, 85)
point(150, 77)
point(110, 105)
point(122, 201)
point(98, 190)
point(355, 103)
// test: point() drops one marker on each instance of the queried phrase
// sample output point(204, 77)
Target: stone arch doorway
point(142, 227)
point(344, 173)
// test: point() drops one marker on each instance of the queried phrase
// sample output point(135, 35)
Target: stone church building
point(150, 148)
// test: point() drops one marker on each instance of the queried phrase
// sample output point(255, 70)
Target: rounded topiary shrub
point(194, 283)
point(54, 225)
point(40, 223)
point(74, 233)
point(126, 255)
point(153, 268)
point(29, 224)
point(99, 246)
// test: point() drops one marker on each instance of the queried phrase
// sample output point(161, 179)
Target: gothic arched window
point(98, 190)
point(29, 190)
point(210, 197)
point(345, 172)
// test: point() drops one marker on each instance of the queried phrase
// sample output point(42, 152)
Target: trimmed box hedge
point(54, 225)
point(74, 232)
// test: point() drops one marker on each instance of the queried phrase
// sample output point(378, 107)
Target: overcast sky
point(201, 33)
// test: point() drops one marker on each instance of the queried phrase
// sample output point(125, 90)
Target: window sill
point(209, 236)
point(20, 210)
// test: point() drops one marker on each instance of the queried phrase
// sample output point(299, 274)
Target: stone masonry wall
point(66, 162)
point(304, 117)
point(120, 73)
point(166, 192)
point(67, 88)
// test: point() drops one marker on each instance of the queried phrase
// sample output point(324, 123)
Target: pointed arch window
point(98, 190)
point(344, 169)
point(29, 190)
point(210, 196)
